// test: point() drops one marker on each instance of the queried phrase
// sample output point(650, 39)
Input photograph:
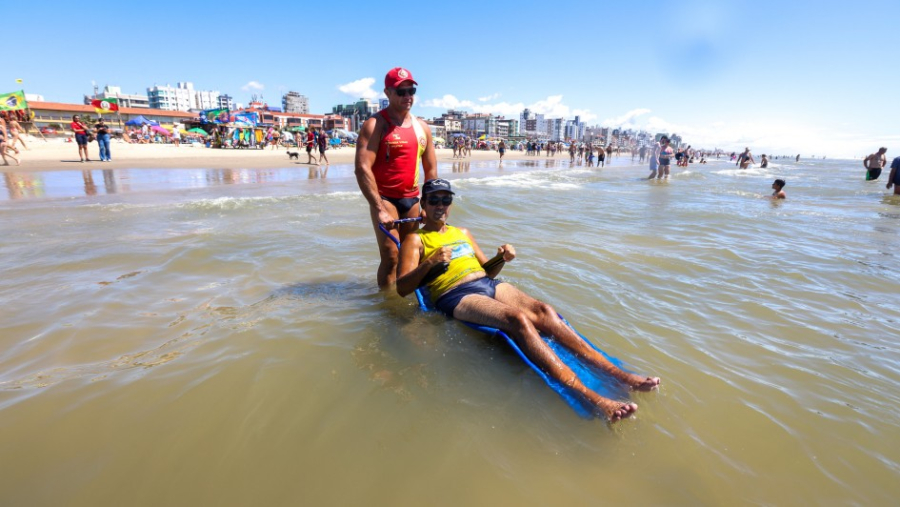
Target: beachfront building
point(357, 113)
point(225, 102)
point(293, 102)
point(574, 129)
point(182, 97)
point(449, 125)
point(478, 124)
point(274, 117)
point(125, 99)
point(58, 115)
point(511, 126)
point(533, 125)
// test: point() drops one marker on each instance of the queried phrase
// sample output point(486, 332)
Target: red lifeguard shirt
point(396, 167)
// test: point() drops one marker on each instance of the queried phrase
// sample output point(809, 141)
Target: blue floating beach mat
point(595, 379)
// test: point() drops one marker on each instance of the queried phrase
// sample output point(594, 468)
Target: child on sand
point(777, 186)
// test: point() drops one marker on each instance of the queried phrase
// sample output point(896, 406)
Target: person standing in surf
point(745, 159)
point(664, 157)
point(894, 178)
point(874, 164)
point(391, 145)
point(466, 289)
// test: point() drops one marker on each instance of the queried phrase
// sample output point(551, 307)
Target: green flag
point(13, 101)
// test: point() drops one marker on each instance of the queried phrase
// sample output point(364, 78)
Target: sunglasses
point(403, 92)
point(446, 201)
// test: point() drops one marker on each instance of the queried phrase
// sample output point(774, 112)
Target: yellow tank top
point(462, 262)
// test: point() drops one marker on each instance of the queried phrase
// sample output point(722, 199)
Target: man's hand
point(507, 251)
point(385, 219)
point(442, 254)
point(889, 185)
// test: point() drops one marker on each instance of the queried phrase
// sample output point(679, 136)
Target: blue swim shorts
point(449, 300)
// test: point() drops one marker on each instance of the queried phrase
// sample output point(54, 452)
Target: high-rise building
point(182, 97)
point(226, 102)
point(125, 99)
point(293, 102)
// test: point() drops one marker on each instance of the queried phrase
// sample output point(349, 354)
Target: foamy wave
point(529, 180)
point(753, 171)
point(228, 203)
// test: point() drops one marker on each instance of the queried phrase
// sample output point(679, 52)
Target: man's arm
point(894, 168)
point(429, 160)
point(866, 161)
point(366, 151)
point(507, 251)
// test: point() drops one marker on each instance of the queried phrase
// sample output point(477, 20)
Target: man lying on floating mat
point(467, 290)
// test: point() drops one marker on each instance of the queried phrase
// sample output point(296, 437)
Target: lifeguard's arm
point(366, 151)
point(429, 159)
point(410, 271)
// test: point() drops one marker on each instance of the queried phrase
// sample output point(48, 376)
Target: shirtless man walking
point(874, 163)
point(391, 145)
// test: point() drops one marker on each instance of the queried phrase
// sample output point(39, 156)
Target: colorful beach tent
point(139, 120)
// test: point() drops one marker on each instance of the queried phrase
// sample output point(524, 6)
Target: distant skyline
point(777, 77)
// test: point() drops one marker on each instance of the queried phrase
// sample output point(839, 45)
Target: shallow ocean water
point(194, 337)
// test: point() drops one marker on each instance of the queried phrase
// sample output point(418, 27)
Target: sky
point(777, 76)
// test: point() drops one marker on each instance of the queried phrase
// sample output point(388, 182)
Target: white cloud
point(489, 97)
point(551, 107)
point(360, 89)
point(252, 85)
point(626, 120)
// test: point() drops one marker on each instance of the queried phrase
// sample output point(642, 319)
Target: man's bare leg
point(490, 312)
point(545, 318)
point(390, 254)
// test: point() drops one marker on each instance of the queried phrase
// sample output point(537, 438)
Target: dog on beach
point(293, 155)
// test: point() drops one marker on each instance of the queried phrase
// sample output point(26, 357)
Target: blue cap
point(436, 185)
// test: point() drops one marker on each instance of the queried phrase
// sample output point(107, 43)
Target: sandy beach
point(58, 155)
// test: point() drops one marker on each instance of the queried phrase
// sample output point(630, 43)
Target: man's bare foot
point(616, 411)
point(639, 383)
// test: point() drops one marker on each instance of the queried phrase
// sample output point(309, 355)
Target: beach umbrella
point(439, 139)
point(161, 130)
point(198, 131)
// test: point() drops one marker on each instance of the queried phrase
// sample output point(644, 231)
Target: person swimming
point(777, 186)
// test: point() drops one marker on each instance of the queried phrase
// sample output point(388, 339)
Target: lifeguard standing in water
point(391, 145)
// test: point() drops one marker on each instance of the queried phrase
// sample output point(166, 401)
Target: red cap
point(396, 76)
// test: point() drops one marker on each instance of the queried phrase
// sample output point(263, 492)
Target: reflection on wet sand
point(23, 185)
point(318, 171)
point(461, 167)
point(89, 187)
